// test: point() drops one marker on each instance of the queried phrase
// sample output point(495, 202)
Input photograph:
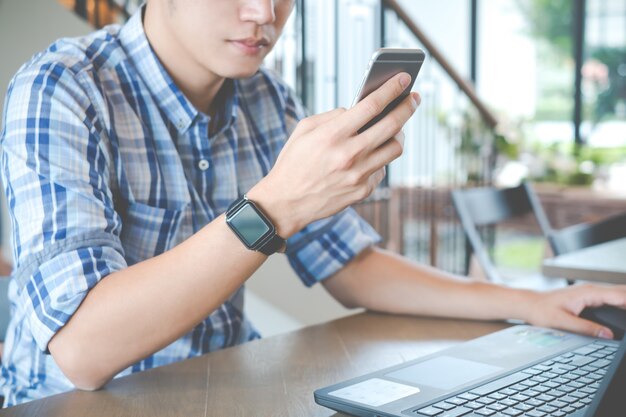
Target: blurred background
point(511, 90)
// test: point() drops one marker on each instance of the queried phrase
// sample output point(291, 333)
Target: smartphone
point(385, 63)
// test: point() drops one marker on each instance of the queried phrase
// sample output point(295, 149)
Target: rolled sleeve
point(55, 167)
point(326, 246)
point(55, 283)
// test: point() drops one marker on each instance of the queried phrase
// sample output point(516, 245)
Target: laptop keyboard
point(554, 388)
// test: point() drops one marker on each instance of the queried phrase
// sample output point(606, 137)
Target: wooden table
point(605, 262)
point(269, 377)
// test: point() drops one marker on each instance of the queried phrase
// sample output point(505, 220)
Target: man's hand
point(560, 308)
point(327, 165)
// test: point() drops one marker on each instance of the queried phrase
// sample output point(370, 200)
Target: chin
point(242, 72)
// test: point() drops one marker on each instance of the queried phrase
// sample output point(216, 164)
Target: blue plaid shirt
point(106, 164)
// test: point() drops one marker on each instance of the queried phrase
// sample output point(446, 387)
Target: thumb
point(569, 322)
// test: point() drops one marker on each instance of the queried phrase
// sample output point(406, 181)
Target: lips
point(250, 46)
point(253, 42)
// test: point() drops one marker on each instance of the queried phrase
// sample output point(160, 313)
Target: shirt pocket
point(148, 231)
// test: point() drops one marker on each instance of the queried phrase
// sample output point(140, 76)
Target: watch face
point(249, 224)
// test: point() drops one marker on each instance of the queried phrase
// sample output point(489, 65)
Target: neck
point(198, 84)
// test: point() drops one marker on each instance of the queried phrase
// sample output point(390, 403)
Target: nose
point(259, 11)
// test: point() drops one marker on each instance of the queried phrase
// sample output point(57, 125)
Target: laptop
point(523, 371)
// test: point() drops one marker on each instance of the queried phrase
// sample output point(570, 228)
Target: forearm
point(135, 312)
point(382, 281)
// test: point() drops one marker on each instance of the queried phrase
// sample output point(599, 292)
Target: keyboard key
point(508, 402)
point(485, 412)
point(519, 397)
point(600, 363)
point(545, 398)
point(512, 412)
point(558, 404)
point(499, 384)
point(467, 396)
point(444, 406)
point(532, 371)
point(579, 361)
point(508, 392)
point(535, 413)
point(457, 412)
point(547, 409)
point(579, 394)
point(497, 396)
point(429, 411)
point(475, 406)
point(523, 407)
point(531, 393)
point(456, 401)
point(559, 413)
point(485, 400)
point(533, 402)
point(529, 383)
point(586, 350)
point(497, 407)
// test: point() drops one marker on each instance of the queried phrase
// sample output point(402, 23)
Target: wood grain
point(269, 377)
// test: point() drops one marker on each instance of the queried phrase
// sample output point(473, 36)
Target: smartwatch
point(253, 227)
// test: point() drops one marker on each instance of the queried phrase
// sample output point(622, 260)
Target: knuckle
point(395, 122)
point(345, 161)
point(306, 124)
point(373, 105)
point(365, 191)
point(354, 178)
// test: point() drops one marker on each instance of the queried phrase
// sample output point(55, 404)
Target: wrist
point(277, 212)
point(504, 303)
point(520, 304)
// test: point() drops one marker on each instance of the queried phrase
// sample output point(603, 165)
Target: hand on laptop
point(561, 308)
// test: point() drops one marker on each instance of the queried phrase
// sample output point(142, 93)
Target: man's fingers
point(390, 125)
point(385, 153)
point(579, 325)
point(372, 105)
point(311, 122)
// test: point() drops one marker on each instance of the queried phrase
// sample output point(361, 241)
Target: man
point(124, 149)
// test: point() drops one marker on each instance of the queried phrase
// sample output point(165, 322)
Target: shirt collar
point(170, 99)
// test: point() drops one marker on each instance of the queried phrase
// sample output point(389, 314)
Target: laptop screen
point(610, 400)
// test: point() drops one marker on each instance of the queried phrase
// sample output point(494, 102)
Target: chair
point(487, 206)
point(583, 235)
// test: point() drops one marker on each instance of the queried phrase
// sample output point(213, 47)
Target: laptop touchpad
point(444, 372)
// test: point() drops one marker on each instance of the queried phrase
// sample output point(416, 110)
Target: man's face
point(229, 38)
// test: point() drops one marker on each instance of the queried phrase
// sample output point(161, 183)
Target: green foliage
point(521, 253)
point(550, 20)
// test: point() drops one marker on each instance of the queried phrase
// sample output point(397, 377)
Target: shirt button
point(203, 164)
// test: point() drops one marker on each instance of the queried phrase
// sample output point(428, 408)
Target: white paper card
point(375, 392)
